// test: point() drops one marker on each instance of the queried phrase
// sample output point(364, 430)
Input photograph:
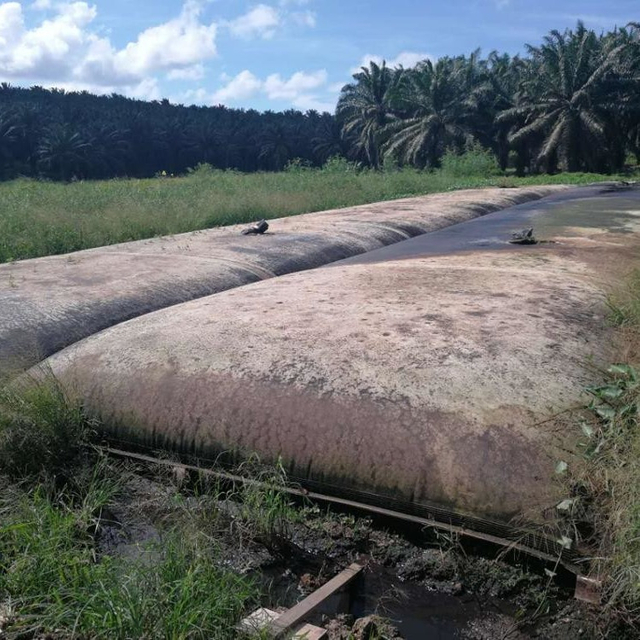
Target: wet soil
point(425, 585)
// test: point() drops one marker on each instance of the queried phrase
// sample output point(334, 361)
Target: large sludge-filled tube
point(428, 382)
point(49, 303)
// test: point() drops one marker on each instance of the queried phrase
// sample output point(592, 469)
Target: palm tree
point(433, 103)
point(276, 147)
point(31, 122)
point(203, 143)
point(9, 133)
point(626, 126)
point(109, 151)
point(365, 108)
point(496, 92)
point(328, 140)
point(171, 140)
point(564, 105)
point(62, 153)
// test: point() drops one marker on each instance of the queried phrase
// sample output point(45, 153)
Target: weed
point(266, 511)
point(607, 490)
point(624, 306)
point(42, 430)
point(612, 446)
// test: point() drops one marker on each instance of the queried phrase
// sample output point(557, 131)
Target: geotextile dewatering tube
point(49, 303)
point(429, 382)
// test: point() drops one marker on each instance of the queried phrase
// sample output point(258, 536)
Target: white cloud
point(47, 50)
point(11, 25)
point(406, 59)
point(263, 20)
point(260, 22)
point(307, 102)
point(64, 49)
point(64, 46)
point(244, 85)
point(501, 4)
point(299, 90)
point(278, 89)
point(148, 89)
point(196, 72)
point(179, 43)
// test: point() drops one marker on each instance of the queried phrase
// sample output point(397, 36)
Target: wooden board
point(303, 609)
point(310, 632)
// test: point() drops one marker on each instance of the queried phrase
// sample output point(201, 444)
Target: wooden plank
point(310, 632)
point(299, 612)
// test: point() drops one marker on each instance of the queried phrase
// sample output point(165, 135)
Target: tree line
point(571, 104)
point(63, 135)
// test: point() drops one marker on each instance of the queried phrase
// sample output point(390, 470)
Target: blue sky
point(270, 54)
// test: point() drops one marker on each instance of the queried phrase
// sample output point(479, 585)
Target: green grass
point(611, 440)
point(622, 456)
point(42, 431)
point(51, 578)
point(43, 218)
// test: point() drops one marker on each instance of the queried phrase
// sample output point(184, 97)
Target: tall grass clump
point(43, 432)
point(39, 218)
point(266, 510)
point(56, 496)
point(611, 441)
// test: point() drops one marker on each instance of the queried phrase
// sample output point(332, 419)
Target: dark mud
point(425, 585)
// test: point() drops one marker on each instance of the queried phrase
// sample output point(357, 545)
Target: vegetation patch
point(45, 218)
point(605, 506)
point(52, 578)
point(41, 430)
point(56, 577)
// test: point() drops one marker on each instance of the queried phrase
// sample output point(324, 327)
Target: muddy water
point(414, 610)
point(618, 209)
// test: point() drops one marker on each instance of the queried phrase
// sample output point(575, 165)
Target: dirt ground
point(416, 583)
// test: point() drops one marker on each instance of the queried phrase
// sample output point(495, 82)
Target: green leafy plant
point(615, 405)
point(475, 161)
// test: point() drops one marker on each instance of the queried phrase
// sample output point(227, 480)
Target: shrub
point(339, 164)
point(475, 161)
point(297, 165)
